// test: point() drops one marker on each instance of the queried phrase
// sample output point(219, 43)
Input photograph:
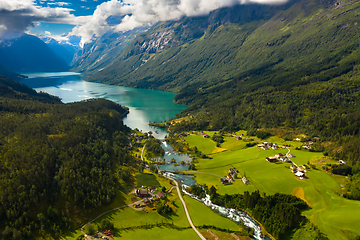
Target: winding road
point(186, 211)
point(182, 201)
point(128, 205)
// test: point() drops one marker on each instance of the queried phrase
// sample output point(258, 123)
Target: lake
point(145, 105)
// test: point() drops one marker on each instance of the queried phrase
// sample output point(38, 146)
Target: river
point(145, 105)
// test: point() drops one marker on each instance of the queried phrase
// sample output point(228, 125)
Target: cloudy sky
point(62, 19)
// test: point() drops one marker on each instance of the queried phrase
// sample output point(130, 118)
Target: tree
point(212, 191)
point(106, 224)
point(90, 229)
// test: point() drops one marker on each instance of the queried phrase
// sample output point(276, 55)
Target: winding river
point(145, 106)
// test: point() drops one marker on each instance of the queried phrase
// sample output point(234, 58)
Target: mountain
point(103, 51)
point(294, 67)
point(300, 36)
point(9, 74)
point(176, 51)
point(65, 51)
point(28, 53)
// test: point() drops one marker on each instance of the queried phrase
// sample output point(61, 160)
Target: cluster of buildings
point(298, 171)
point(145, 193)
point(280, 157)
point(308, 143)
point(230, 177)
point(237, 137)
point(268, 145)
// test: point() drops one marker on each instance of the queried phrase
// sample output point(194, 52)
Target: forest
point(56, 158)
point(278, 213)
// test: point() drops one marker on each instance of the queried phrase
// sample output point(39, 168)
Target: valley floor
point(334, 215)
point(131, 223)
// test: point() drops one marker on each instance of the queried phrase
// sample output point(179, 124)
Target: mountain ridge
point(28, 53)
point(194, 58)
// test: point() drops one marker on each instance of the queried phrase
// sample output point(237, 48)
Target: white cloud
point(61, 4)
point(145, 12)
point(19, 15)
point(47, 33)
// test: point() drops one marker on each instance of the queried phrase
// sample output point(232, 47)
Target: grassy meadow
point(202, 215)
point(135, 224)
point(334, 215)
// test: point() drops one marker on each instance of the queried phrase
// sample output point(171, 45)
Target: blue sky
point(79, 7)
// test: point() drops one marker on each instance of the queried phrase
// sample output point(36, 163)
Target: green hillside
point(305, 39)
point(171, 54)
point(295, 66)
point(58, 162)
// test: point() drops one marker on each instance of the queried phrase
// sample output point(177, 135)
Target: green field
point(146, 179)
point(128, 217)
point(202, 215)
point(205, 145)
point(157, 233)
point(335, 216)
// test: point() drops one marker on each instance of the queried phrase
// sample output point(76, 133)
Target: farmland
point(334, 215)
point(130, 223)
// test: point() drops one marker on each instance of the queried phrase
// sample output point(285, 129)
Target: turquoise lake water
point(145, 105)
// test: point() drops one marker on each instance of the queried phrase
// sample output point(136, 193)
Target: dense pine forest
point(55, 159)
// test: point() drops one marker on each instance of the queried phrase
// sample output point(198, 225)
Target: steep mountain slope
point(308, 81)
point(293, 67)
point(64, 50)
point(307, 33)
point(179, 50)
point(28, 53)
point(9, 74)
point(103, 51)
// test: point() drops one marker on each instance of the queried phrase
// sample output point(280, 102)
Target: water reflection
point(145, 105)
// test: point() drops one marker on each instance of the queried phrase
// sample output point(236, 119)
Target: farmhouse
point(141, 193)
point(289, 155)
point(245, 180)
point(300, 174)
point(279, 155)
point(265, 145)
point(238, 137)
point(152, 189)
point(261, 146)
point(160, 195)
point(233, 172)
point(275, 146)
point(146, 201)
point(206, 135)
point(271, 159)
point(224, 180)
